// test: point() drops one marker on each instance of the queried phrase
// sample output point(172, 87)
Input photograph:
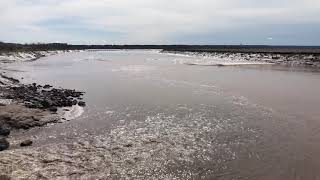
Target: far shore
point(308, 56)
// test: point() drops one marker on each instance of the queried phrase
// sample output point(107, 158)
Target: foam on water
point(72, 112)
point(134, 68)
point(215, 62)
point(163, 146)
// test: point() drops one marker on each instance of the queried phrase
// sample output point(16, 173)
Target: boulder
point(53, 109)
point(4, 144)
point(74, 102)
point(47, 86)
point(4, 131)
point(81, 103)
point(26, 143)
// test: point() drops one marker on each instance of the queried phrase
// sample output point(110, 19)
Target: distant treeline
point(9, 47)
point(65, 46)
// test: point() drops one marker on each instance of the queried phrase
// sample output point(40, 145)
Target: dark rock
point(29, 105)
point(53, 109)
point(35, 96)
point(128, 145)
point(4, 177)
point(74, 102)
point(47, 86)
point(2, 104)
point(4, 144)
point(9, 96)
point(81, 103)
point(35, 118)
point(4, 131)
point(26, 143)
point(46, 103)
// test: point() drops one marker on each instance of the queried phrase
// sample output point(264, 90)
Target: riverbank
point(245, 58)
point(25, 106)
point(16, 56)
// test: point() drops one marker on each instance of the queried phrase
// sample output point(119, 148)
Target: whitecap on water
point(134, 68)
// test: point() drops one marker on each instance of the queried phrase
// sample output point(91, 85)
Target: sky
point(266, 22)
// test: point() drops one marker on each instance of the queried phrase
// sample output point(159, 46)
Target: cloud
point(147, 21)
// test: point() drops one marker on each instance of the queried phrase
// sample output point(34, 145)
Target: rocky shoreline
point(24, 106)
point(291, 59)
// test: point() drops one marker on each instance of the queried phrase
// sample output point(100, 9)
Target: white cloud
point(147, 21)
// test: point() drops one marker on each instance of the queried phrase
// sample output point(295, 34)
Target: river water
point(148, 116)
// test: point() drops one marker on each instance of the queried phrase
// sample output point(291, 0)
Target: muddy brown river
point(148, 116)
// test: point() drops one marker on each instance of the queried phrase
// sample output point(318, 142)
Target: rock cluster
point(34, 105)
point(44, 97)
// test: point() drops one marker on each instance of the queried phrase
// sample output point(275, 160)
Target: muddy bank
point(31, 103)
point(24, 106)
point(291, 59)
point(9, 57)
point(16, 116)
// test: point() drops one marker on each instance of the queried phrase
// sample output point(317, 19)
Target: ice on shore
point(201, 61)
point(230, 58)
point(27, 56)
point(72, 112)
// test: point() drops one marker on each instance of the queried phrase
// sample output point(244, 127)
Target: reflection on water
point(149, 117)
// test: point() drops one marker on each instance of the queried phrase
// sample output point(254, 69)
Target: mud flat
point(291, 58)
point(9, 57)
